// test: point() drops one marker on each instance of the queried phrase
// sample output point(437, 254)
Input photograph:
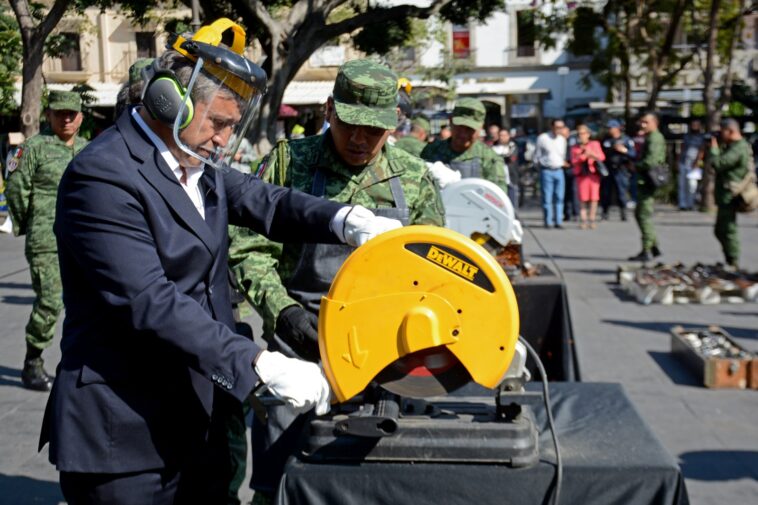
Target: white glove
point(443, 174)
point(301, 385)
point(361, 225)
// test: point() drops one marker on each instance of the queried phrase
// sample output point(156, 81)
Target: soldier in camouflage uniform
point(35, 173)
point(415, 141)
point(350, 163)
point(653, 154)
point(463, 151)
point(731, 163)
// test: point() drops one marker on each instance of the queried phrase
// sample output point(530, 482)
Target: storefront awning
point(307, 92)
point(509, 86)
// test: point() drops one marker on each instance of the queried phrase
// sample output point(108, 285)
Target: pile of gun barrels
point(678, 283)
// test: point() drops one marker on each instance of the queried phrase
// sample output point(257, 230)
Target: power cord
point(545, 251)
point(550, 421)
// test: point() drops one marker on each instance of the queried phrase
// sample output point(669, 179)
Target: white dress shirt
point(551, 150)
point(190, 186)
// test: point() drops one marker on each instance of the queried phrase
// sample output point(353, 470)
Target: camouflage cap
point(135, 71)
point(469, 112)
point(421, 123)
point(64, 100)
point(365, 94)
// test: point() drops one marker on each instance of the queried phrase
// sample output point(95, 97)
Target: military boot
point(643, 256)
point(34, 376)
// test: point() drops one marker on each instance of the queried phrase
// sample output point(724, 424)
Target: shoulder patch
point(13, 162)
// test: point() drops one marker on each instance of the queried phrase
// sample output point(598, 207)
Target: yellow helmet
point(404, 84)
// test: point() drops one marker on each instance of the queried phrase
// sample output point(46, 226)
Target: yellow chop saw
point(412, 316)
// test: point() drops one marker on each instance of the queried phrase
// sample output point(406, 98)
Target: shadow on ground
point(665, 327)
point(675, 369)
point(579, 258)
point(18, 300)
point(719, 465)
point(15, 285)
point(18, 489)
point(10, 377)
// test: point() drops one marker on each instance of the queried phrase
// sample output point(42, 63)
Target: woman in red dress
point(585, 155)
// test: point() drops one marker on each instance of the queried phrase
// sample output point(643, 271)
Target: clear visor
point(223, 109)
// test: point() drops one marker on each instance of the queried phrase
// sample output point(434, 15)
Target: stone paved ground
point(714, 434)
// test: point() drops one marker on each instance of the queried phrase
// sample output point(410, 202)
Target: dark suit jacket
point(147, 334)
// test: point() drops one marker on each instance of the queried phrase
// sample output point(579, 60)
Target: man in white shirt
point(550, 155)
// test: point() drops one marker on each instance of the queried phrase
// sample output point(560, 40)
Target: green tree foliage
point(290, 31)
point(10, 59)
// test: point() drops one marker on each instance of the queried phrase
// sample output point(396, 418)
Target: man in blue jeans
point(550, 155)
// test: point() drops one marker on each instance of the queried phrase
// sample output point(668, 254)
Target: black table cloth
point(610, 456)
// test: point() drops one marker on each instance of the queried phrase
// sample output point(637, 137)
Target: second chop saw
point(411, 317)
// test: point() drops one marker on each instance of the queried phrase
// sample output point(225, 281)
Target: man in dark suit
point(148, 341)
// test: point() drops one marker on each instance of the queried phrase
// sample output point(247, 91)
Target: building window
point(71, 60)
point(525, 33)
point(145, 44)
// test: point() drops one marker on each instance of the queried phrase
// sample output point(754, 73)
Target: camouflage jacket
point(493, 167)
point(261, 267)
point(731, 163)
point(32, 188)
point(411, 145)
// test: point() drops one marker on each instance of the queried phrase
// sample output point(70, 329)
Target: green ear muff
point(163, 99)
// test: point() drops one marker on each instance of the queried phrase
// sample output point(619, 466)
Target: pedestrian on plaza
point(653, 154)
point(571, 203)
point(508, 150)
point(350, 163)
point(550, 155)
point(445, 133)
point(149, 345)
point(731, 161)
point(463, 152)
point(585, 155)
point(619, 156)
point(415, 141)
point(692, 154)
point(493, 134)
point(34, 175)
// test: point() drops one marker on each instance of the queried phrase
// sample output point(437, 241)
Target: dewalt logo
point(452, 263)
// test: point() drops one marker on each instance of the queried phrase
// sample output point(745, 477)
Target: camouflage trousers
point(726, 232)
point(48, 301)
point(643, 213)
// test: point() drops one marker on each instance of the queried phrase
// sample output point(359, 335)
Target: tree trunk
point(31, 88)
point(713, 113)
point(33, 37)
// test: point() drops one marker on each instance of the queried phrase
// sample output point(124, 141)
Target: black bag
point(585, 168)
point(658, 175)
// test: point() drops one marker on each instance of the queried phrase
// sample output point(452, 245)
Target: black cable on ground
point(545, 251)
point(550, 422)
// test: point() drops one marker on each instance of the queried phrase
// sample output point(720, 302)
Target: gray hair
point(206, 85)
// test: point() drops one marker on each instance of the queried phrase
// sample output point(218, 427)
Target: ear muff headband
point(163, 99)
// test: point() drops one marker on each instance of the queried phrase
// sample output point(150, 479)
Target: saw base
point(446, 432)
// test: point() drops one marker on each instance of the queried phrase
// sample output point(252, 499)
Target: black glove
point(299, 329)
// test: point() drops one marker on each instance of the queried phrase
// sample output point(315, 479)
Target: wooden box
point(716, 372)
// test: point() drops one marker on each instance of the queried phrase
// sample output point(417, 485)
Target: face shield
point(225, 89)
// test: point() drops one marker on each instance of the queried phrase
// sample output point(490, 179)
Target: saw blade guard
point(414, 289)
point(477, 207)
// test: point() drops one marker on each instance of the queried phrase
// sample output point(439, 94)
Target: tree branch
point(51, 20)
point(380, 16)
point(267, 21)
point(23, 15)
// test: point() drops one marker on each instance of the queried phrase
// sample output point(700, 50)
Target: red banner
point(461, 43)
